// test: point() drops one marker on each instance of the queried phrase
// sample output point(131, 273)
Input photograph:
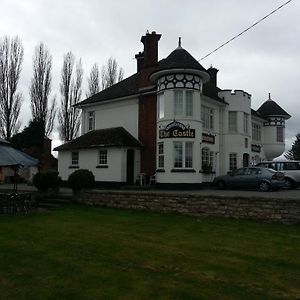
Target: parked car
point(252, 178)
point(291, 170)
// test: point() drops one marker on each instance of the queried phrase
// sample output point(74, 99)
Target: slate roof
point(126, 87)
point(256, 114)
point(179, 59)
point(271, 108)
point(110, 137)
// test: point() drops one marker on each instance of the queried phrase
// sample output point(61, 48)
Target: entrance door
point(246, 157)
point(130, 166)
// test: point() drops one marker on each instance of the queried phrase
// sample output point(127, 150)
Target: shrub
point(44, 181)
point(81, 179)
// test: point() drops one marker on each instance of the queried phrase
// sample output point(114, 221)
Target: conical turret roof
point(271, 109)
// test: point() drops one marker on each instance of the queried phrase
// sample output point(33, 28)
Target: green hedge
point(81, 179)
point(44, 181)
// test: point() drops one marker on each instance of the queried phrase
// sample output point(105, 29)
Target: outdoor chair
point(152, 179)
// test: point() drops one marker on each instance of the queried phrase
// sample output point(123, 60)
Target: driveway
point(281, 194)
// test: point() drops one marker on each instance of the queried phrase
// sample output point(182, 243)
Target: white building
point(170, 119)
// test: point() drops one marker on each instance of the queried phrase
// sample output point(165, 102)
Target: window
point(102, 157)
point(189, 103)
point(75, 159)
point(232, 121)
point(178, 155)
point(183, 103)
point(256, 132)
point(91, 120)
point(161, 106)
point(161, 157)
point(232, 161)
point(279, 134)
point(207, 159)
point(207, 117)
point(183, 154)
point(246, 143)
point(188, 154)
point(178, 109)
point(246, 123)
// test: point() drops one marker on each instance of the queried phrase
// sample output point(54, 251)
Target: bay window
point(183, 154)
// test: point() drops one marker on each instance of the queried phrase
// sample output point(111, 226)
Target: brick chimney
point(140, 61)
point(150, 53)
point(213, 75)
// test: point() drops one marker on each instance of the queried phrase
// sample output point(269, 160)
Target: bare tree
point(70, 90)
point(111, 73)
point(93, 81)
point(11, 58)
point(40, 89)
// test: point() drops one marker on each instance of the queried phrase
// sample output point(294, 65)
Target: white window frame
point(246, 123)
point(183, 103)
point(161, 106)
point(102, 157)
point(232, 121)
point(256, 132)
point(207, 157)
point(74, 158)
point(183, 155)
point(232, 161)
point(279, 134)
point(161, 155)
point(91, 120)
point(207, 117)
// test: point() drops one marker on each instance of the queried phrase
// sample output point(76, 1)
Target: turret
point(179, 79)
point(274, 128)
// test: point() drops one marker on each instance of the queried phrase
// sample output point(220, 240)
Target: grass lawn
point(78, 252)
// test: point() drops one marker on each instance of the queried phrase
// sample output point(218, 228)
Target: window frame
point(161, 106)
point(75, 161)
point(232, 126)
point(256, 132)
point(207, 158)
point(183, 105)
point(246, 123)
point(183, 158)
point(91, 120)
point(102, 157)
point(279, 134)
point(207, 117)
point(160, 155)
point(232, 161)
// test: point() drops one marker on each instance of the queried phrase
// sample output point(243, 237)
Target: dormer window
point(91, 120)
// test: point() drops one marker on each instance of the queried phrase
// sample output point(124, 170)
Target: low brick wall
point(262, 209)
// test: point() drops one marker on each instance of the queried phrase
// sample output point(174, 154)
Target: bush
point(44, 181)
point(81, 179)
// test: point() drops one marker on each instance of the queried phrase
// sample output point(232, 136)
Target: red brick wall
point(147, 133)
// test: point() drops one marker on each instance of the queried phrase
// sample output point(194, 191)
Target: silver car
point(291, 170)
point(252, 178)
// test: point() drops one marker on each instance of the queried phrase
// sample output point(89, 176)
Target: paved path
point(282, 194)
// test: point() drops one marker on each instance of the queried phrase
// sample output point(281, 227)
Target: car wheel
point(289, 183)
point(221, 185)
point(264, 186)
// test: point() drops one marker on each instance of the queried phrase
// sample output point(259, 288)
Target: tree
point(93, 81)
point(11, 58)
point(111, 73)
point(30, 136)
point(70, 90)
point(294, 153)
point(40, 89)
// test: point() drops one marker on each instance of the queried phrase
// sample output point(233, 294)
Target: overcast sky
point(265, 59)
